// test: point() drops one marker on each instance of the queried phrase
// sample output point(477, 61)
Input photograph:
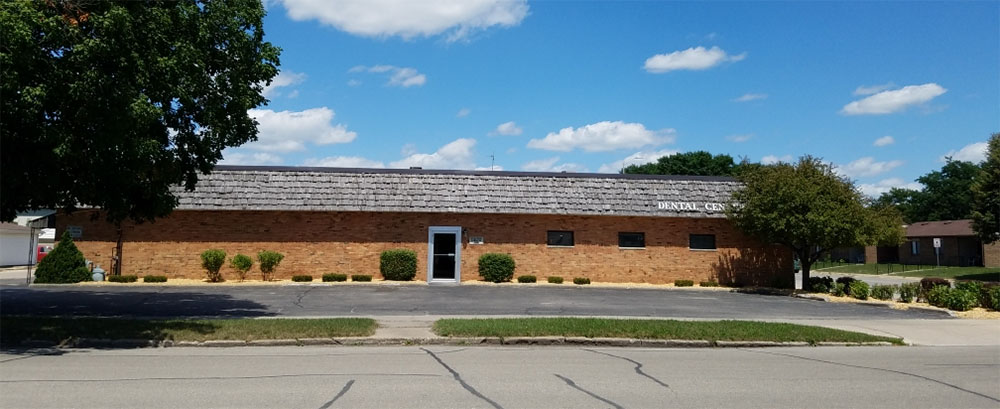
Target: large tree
point(109, 104)
point(698, 163)
point(946, 194)
point(986, 195)
point(809, 208)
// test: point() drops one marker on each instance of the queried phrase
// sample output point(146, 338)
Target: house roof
point(940, 229)
point(450, 191)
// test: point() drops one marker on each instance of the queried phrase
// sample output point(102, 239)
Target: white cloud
point(550, 165)
point(749, 97)
point(878, 188)
point(867, 166)
point(343, 162)
point(462, 113)
point(739, 138)
point(973, 152)
point(409, 19)
point(695, 58)
point(772, 159)
point(458, 154)
point(495, 167)
point(887, 102)
point(235, 157)
point(398, 76)
point(283, 79)
point(884, 141)
point(507, 128)
point(287, 131)
point(873, 89)
point(638, 158)
point(353, 82)
point(603, 136)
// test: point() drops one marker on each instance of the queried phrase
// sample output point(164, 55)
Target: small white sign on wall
point(937, 242)
point(475, 239)
point(75, 231)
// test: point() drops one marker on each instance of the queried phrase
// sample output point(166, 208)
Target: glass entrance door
point(444, 248)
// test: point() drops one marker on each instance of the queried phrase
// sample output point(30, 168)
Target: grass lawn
point(15, 329)
point(649, 329)
point(909, 270)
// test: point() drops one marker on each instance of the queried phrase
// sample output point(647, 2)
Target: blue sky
point(883, 90)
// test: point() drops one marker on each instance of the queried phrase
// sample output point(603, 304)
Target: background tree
point(986, 195)
point(810, 209)
point(698, 163)
point(946, 194)
point(109, 104)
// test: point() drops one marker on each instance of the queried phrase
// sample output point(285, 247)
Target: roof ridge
point(508, 173)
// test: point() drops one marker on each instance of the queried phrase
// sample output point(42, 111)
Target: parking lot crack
point(298, 300)
point(341, 393)
point(593, 395)
point(461, 381)
point(638, 367)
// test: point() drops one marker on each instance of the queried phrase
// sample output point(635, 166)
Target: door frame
point(457, 231)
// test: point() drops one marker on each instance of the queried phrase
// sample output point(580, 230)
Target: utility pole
point(493, 160)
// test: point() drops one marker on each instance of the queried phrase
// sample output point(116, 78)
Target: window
point(702, 242)
point(632, 240)
point(915, 247)
point(560, 238)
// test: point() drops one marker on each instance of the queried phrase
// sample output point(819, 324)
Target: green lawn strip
point(16, 329)
point(958, 273)
point(649, 329)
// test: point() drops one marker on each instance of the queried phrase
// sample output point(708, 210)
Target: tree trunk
point(806, 265)
point(116, 267)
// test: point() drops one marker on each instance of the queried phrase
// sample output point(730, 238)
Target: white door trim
point(457, 230)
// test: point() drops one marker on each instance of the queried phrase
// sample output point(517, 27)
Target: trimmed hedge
point(154, 279)
point(212, 260)
point(555, 280)
point(398, 264)
point(683, 283)
point(908, 292)
point(581, 281)
point(496, 267)
point(302, 278)
point(123, 279)
point(952, 298)
point(820, 284)
point(846, 281)
point(709, 283)
point(839, 289)
point(268, 261)
point(242, 264)
point(883, 292)
point(334, 277)
point(361, 277)
point(930, 282)
point(858, 289)
point(527, 279)
point(63, 265)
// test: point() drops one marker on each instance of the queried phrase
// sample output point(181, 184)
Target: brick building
point(959, 246)
point(610, 228)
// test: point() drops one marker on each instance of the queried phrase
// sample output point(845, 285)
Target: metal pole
point(31, 247)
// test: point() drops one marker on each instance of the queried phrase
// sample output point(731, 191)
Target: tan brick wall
point(350, 242)
point(871, 254)
point(991, 254)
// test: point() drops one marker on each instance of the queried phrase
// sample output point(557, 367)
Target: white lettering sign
point(75, 231)
point(476, 240)
point(709, 207)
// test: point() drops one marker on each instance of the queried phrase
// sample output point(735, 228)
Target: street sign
point(937, 250)
point(937, 242)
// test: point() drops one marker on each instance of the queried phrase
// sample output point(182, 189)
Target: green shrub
point(361, 277)
point(581, 281)
point(555, 280)
point(709, 283)
point(154, 279)
point(527, 279)
point(974, 287)
point(242, 264)
point(938, 296)
point(334, 277)
point(63, 265)
point(908, 292)
point(883, 292)
point(962, 300)
point(496, 267)
point(820, 284)
point(858, 289)
point(930, 282)
point(302, 278)
point(268, 261)
point(993, 298)
point(212, 260)
point(398, 264)
point(846, 281)
point(838, 289)
point(123, 279)
point(683, 283)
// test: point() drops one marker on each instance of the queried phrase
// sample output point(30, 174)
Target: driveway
point(415, 300)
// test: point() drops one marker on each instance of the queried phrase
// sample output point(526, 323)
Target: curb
point(823, 298)
point(457, 341)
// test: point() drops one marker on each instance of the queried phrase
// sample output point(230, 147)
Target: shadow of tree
point(126, 303)
point(764, 267)
point(121, 333)
point(980, 277)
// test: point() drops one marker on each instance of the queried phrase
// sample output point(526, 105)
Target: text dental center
point(691, 206)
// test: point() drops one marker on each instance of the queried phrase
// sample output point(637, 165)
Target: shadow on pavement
point(127, 303)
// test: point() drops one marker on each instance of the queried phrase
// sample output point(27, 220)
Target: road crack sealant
point(593, 395)
point(342, 392)
point(638, 367)
point(461, 381)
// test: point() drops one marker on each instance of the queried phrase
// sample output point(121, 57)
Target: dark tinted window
point(702, 241)
point(560, 238)
point(631, 239)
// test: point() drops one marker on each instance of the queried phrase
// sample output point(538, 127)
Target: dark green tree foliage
point(64, 264)
point(947, 194)
point(810, 209)
point(986, 195)
point(698, 163)
point(109, 104)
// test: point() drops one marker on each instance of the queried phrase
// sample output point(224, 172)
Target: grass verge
point(17, 329)
point(650, 329)
point(910, 270)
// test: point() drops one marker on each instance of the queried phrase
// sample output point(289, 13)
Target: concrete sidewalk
point(954, 332)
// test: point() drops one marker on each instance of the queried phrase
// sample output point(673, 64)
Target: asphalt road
point(411, 300)
point(486, 377)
